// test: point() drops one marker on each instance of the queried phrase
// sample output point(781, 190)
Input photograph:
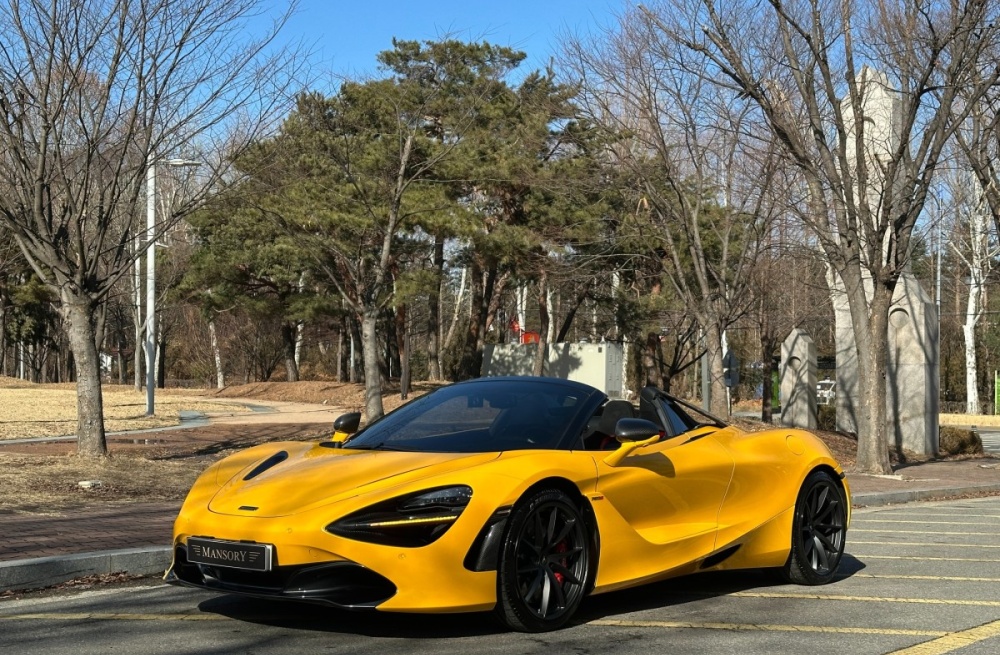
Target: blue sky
point(346, 35)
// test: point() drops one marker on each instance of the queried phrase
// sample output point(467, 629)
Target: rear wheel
point(544, 563)
point(818, 531)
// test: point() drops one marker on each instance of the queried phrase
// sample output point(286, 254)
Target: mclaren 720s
point(516, 495)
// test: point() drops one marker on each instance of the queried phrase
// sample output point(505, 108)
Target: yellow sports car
point(517, 495)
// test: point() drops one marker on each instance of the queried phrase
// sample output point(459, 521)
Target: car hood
point(311, 478)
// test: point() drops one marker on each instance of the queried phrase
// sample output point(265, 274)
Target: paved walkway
point(115, 527)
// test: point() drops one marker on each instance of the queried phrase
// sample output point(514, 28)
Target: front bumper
point(314, 565)
point(341, 584)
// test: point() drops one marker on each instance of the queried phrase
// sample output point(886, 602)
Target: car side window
point(677, 423)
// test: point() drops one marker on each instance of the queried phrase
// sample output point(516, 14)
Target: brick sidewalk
point(27, 536)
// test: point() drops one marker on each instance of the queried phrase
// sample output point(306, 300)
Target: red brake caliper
point(561, 548)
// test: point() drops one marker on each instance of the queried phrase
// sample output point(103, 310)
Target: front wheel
point(544, 563)
point(818, 531)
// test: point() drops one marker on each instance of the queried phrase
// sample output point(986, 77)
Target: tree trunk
point(969, 332)
point(434, 313)
point(651, 361)
point(456, 314)
point(288, 348)
point(79, 316)
point(161, 361)
point(3, 336)
point(373, 380)
point(871, 335)
point(543, 329)
point(340, 351)
point(767, 346)
point(352, 370)
point(300, 330)
point(122, 362)
point(979, 268)
point(390, 362)
point(100, 321)
point(402, 345)
point(472, 353)
point(571, 312)
point(220, 377)
point(719, 405)
point(137, 318)
point(137, 360)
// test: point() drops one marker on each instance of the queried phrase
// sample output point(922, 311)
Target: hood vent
point(273, 460)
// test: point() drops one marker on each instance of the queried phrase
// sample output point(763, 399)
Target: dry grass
point(348, 395)
point(50, 484)
point(35, 410)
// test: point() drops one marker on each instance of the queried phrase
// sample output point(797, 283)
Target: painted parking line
point(963, 515)
point(933, 578)
point(953, 641)
point(762, 627)
point(914, 558)
point(866, 599)
point(881, 521)
point(921, 543)
point(945, 642)
point(953, 534)
point(748, 627)
point(100, 616)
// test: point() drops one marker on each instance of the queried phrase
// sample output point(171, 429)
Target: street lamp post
point(151, 274)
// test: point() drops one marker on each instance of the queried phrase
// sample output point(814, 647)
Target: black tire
point(544, 563)
point(819, 531)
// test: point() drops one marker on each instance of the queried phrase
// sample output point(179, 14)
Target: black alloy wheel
point(544, 563)
point(819, 530)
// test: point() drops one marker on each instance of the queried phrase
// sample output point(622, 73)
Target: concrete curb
point(47, 571)
point(876, 499)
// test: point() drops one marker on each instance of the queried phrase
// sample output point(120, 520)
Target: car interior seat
point(601, 429)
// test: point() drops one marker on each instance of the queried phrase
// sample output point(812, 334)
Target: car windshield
point(484, 416)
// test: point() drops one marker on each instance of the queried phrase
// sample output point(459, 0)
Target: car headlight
point(409, 521)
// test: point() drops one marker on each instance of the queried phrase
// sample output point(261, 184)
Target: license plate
point(232, 554)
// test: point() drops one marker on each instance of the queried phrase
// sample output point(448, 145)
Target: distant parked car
point(826, 391)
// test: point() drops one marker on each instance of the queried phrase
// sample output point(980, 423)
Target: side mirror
point(632, 434)
point(628, 430)
point(345, 426)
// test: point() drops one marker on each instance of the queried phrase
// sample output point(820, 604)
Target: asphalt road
point(991, 441)
point(919, 579)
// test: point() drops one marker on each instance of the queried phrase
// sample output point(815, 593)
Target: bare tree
point(701, 194)
point(11, 260)
point(979, 145)
point(973, 247)
point(799, 64)
point(92, 93)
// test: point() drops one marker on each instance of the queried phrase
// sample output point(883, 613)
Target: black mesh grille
point(344, 584)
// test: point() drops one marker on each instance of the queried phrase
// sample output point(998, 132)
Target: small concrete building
point(600, 365)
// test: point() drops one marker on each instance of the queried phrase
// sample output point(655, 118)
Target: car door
point(661, 503)
point(670, 491)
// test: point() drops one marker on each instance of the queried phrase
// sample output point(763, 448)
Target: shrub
point(959, 441)
point(826, 418)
